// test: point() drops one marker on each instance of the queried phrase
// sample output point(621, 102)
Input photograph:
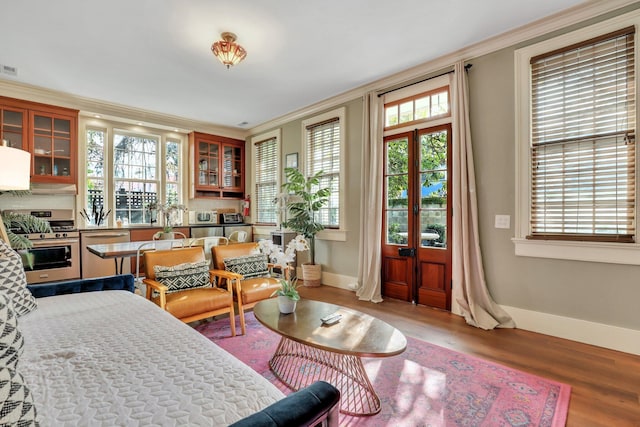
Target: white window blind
point(266, 181)
point(583, 141)
point(323, 154)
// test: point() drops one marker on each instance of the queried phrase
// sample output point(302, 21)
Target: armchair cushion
point(189, 275)
point(195, 301)
point(250, 266)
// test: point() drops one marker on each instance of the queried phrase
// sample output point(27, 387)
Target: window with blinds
point(583, 141)
point(266, 181)
point(323, 154)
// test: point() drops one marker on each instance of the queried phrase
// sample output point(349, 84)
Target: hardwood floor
point(605, 384)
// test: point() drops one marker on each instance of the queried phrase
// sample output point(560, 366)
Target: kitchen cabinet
point(48, 132)
point(13, 126)
point(94, 266)
point(53, 145)
point(217, 166)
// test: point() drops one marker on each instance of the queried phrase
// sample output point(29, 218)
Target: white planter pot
point(286, 305)
point(167, 236)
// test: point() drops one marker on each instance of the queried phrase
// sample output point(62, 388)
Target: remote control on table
point(331, 318)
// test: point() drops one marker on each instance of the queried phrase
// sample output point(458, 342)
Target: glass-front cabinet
point(13, 127)
point(232, 162)
point(53, 148)
point(48, 132)
point(208, 164)
point(218, 166)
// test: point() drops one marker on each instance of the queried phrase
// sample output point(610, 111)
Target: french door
point(416, 235)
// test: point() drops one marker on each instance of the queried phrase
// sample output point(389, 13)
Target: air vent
point(6, 69)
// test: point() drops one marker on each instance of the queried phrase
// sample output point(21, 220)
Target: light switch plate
point(503, 221)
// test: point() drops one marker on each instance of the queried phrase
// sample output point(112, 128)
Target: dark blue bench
point(107, 283)
point(310, 406)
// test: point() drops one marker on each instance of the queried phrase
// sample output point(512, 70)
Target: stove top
point(62, 222)
point(74, 234)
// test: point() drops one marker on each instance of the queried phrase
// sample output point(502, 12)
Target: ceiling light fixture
point(228, 51)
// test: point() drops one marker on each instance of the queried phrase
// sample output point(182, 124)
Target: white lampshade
point(15, 166)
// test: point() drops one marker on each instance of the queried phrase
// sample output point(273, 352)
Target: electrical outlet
point(503, 221)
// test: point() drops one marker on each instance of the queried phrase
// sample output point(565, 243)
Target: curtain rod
point(466, 68)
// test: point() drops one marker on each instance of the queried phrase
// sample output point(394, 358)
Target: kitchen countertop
point(146, 226)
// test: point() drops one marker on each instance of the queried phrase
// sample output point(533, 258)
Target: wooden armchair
point(184, 285)
point(247, 291)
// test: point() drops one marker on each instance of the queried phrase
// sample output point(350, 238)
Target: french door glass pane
point(396, 189)
point(433, 189)
point(397, 226)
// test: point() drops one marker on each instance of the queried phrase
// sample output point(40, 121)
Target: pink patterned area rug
point(427, 385)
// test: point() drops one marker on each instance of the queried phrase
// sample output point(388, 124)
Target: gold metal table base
point(298, 365)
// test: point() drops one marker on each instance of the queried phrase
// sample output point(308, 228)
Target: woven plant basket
point(311, 274)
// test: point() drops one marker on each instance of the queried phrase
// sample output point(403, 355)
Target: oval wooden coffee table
point(310, 351)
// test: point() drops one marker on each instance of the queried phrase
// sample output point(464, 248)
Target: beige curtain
point(470, 294)
point(369, 261)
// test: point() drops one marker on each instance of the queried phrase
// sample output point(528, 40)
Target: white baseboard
point(340, 281)
point(599, 334)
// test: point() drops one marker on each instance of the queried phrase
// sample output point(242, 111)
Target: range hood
point(39, 188)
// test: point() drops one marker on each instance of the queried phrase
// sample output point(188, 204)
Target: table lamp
point(15, 166)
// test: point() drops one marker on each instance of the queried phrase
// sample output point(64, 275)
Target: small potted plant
point(307, 198)
point(169, 211)
point(288, 296)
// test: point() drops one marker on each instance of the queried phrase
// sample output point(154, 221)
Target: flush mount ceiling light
point(228, 51)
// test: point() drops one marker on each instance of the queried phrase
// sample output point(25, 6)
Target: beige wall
point(598, 292)
point(336, 257)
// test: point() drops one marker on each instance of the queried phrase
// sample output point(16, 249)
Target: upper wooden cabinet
point(218, 166)
point(13, 122)
point(48, 132)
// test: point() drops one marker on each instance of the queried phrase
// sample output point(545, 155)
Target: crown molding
point(90, 107)
point(557, 21)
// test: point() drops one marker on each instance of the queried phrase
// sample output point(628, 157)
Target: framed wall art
point(291, 160)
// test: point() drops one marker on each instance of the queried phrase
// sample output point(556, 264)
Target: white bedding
point(113, 358)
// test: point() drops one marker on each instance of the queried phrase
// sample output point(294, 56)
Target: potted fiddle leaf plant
point(288, 296)
point(306, 200)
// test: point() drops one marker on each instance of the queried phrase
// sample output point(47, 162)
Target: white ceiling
point(155, 55)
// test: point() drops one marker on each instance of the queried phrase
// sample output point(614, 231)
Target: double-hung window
point(266, 180)
point(324, 141)
point(131, 171)
point(580, 144)
point(135, 175)
point(265, 151)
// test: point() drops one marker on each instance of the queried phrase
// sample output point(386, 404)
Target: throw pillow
point(13, 281)
point(16, 400)
point(183, 276)
point(249, 266)
point(11, 341)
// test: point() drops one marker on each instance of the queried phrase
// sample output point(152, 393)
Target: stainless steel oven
point(56, 255)
point(52, 259)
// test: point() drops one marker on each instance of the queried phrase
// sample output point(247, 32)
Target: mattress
point(112, 358)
